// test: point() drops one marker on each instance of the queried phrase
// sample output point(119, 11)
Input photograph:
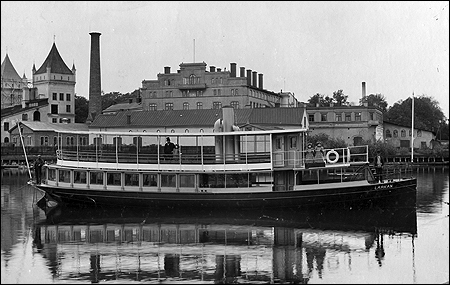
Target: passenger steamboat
point(227, 168)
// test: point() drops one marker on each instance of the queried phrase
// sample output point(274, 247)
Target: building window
point(169, 106)
point(152, 107)
point(79, 177)
point(131, 179)
point(278, 143)
point(403, 133)
point(217, 105)
point(348, 117)
point(54, 120)
point(184, 93)
point(323, 117)
point(64, 176)
point(388, 134)
point(54, 109)
point(395, 133)
point(419, 133)
point(358, 116)
point(113, 178)
point(199, 105)
point(185, 106)
point(187, 180)
point(232, 92)
point(67, 108)
point(61, 96)
point(6, 126)
point(192, 79)
point(236, 92)
point(293, 142)
point(149, 180)
point(311, 117)
point(168, 180)
point(235, 104)
point(24, 117)
point(67, 97)
point(96, 177)
point(55, 96)
point(214, 92)
point(372, 116)
point(338, 117)
point(357, 141)
point(404, 143)
point(219, 92)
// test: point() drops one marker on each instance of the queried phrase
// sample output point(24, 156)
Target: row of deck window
point(176, 180)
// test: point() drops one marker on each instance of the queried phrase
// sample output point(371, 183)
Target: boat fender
point(335, 158)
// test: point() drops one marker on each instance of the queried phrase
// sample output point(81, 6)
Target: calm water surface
point(409, 245)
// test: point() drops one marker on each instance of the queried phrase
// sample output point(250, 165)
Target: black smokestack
point(95, 87)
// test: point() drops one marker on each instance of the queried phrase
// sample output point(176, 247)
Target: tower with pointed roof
point(55, 81)
point(11, 84)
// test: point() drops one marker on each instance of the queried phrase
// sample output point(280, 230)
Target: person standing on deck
point(309, 156)
point(38, 163)
point(168, 149)
point(319, 153)
point(378, 162)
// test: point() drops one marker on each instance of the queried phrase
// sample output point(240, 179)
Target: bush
point(326, 141)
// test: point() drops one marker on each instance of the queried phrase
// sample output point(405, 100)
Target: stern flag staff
point(412, 128)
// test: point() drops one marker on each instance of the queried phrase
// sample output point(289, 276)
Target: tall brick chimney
point(260, 81)
point(254, 78)
point(95, 86)
point(363, 89)
point(242, 72)
point(249, 77)
point(233, 69)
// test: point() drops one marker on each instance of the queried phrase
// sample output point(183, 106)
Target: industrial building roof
point(200, 117)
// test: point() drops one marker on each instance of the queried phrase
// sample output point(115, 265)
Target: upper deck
point(199, 152)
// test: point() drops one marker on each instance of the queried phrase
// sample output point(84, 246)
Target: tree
point(427, 113)
point(320, 99)
point(375, 100)
point(315, 99)
point(340, 98)
point(81, 109)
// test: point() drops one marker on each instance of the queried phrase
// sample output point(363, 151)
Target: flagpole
point(412, 128)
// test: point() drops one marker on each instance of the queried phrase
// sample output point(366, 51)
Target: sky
point(397, 48)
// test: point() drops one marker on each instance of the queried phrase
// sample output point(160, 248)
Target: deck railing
point(291, 158)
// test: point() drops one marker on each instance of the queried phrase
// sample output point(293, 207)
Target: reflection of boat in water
point(237, 246)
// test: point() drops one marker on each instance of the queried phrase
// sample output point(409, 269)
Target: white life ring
point(328, 156)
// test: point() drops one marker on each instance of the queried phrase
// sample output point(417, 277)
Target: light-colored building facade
point(50, 97)
point(400, 136)
point(353, 124)
point(11, 85)
point(44, 134)
point(194, 87)
point(55, 81)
